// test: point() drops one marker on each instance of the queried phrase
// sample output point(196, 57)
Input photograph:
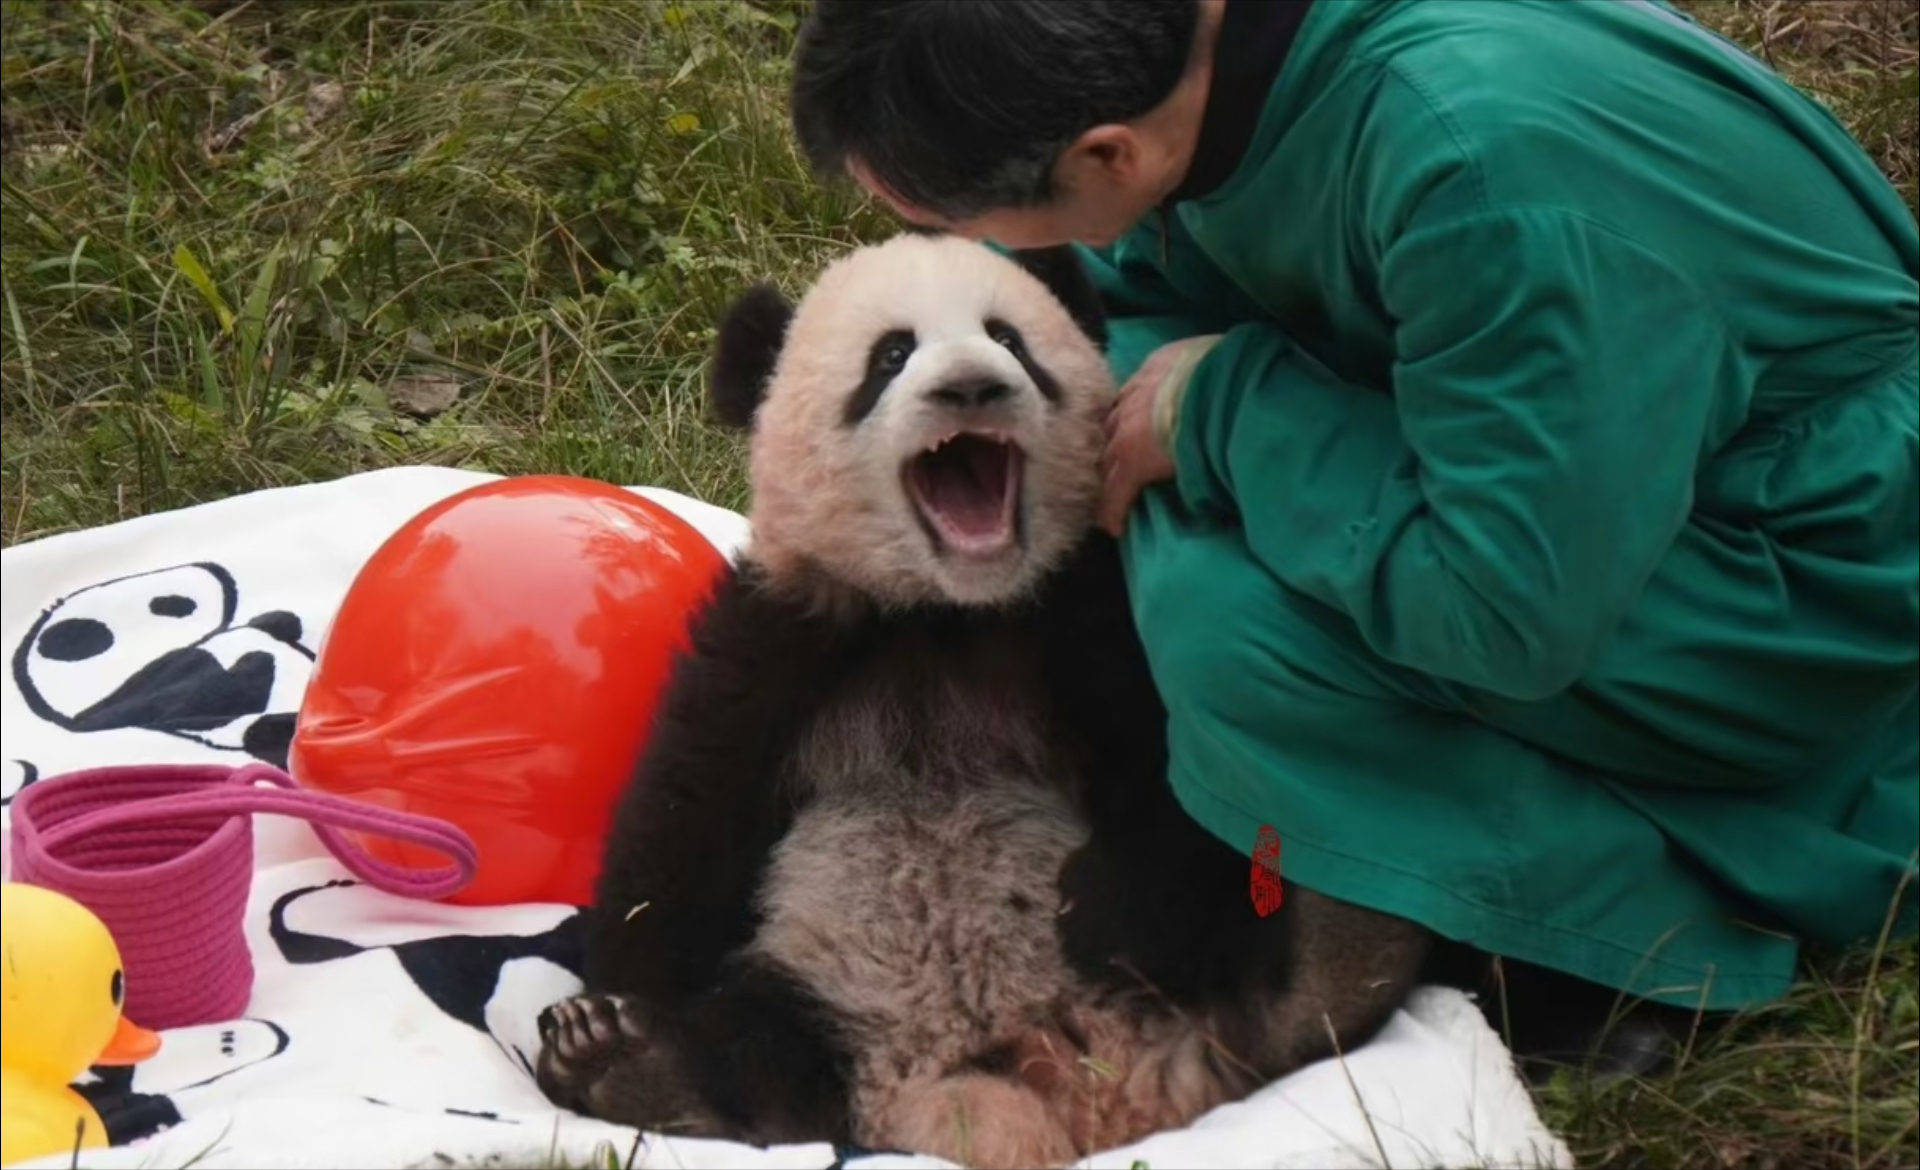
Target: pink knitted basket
point(163, 854)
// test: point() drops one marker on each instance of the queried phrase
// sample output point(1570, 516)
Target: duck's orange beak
point(131, 1044)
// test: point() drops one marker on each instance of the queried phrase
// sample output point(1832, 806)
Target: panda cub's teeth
point(950, 436)
point(966, 487)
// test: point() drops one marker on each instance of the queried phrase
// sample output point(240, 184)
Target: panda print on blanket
point(138, 1100)
point(441, 982)
point(464, 975)
point(163, 651)
point(17, 775)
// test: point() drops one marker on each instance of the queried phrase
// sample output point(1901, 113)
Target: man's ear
point(751, 333)
point(1112, 151)
point(1059, 268)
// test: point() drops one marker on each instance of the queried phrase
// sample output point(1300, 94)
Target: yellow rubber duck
point(61, 988)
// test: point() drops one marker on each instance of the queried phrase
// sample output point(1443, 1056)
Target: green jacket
point(1577, 334)
point(1572, 278)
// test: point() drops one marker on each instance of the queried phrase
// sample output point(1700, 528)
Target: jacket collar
point(1255, 38)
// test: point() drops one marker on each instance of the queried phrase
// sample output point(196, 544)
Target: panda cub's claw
point(580, 1038)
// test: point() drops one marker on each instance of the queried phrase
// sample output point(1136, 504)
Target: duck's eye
point(119, 988)
point(1005, 335)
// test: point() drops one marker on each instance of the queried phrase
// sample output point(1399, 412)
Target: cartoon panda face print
point(160, 651)
point(92, 641)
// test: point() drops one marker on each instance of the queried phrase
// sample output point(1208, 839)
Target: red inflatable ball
point(496, 664)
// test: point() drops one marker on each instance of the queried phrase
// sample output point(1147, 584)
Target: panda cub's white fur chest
point(916, 888)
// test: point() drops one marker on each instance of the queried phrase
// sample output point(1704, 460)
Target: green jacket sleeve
point(1493, 518)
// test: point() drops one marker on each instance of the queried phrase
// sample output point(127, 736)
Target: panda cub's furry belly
point(931, 929)
point(915, 894)
point(915, 890)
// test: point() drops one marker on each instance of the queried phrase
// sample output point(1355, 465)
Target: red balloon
point(497, 664)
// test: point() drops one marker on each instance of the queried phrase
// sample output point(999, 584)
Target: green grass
point(228, 239)
point(1829, 1076)
point(235, 237)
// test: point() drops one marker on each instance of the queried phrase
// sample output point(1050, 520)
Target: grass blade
point(189, 266)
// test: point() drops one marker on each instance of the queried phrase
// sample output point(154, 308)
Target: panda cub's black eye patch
point(1006, 335)
point(885, 359)
point(890, 353)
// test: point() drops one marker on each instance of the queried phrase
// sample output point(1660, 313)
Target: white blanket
point(389, 1033)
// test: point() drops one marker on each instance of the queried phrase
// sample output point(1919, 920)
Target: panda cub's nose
point(971, 395)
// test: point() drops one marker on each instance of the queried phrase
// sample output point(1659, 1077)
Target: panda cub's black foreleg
point(1153, 897)
point(676, 1030)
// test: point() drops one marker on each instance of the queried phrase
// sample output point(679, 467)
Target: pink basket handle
point(328, 814)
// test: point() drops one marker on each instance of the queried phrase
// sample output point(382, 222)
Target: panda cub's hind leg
point(978, 1120)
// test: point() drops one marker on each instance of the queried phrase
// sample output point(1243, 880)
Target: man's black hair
point(965, 106)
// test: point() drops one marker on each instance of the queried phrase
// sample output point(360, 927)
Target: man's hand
point(1136, 453)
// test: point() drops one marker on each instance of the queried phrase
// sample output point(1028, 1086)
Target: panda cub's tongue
point(966, 488)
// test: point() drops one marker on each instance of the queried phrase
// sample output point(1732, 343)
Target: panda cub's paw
point(601, 1057)
point(580, 1039)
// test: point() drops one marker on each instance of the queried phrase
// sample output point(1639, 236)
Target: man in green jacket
point(1516, 461)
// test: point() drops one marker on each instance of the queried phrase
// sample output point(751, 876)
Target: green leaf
point(252, 325)
point(694, 60)
point(184, 259)
point(20, 338)
point(211, 392)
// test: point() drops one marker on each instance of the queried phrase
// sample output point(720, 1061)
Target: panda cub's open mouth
point(966, 488)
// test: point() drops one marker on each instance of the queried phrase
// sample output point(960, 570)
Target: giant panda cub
point(900, 866)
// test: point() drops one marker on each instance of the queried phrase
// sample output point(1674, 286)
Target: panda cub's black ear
point(1060, 270)
point(751, 333)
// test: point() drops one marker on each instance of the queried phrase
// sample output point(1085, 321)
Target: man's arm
point(1493, 519)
